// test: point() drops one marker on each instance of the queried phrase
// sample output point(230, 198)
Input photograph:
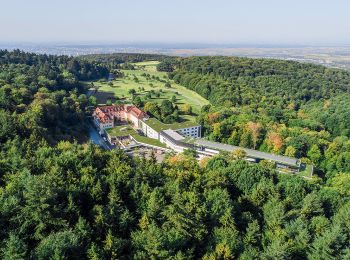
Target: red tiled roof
point(137, 112)
point(107, 113)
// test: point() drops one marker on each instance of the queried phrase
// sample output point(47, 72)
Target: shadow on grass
point(102, 97)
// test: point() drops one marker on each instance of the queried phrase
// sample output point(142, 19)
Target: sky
point(176, 21)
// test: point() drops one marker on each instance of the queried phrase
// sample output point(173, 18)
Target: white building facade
point(148, 131)
point(193, 131)
point(106, 117)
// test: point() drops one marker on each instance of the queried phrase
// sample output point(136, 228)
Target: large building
point(286, 163)
point(206, 148)
point(109, 116)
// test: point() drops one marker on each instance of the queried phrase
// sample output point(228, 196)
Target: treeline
point(245, 81)
point(166, 65)
point(53, 67)
point(114, 60)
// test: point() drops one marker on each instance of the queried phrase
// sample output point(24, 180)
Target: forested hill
point(284, 107)
point(41, 95)
point(243, 81)
point(53, 67)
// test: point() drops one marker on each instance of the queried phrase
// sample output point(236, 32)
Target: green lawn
point(147, 65)
point(147, 140)
point(159, 126)
point(122, 130)
point(307, 172)
point(121, 87)
point(126, 130)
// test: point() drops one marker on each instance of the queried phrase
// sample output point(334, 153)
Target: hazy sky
point(176, 21)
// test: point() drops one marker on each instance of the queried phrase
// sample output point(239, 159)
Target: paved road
point(97, 139)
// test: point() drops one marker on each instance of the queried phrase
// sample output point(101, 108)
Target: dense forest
point(63, 200)
point(245, 81)
point(53, 70)
point(41, 95)
point(285, 107)
point(79, 202)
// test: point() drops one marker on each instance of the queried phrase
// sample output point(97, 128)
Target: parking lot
point(146, 152)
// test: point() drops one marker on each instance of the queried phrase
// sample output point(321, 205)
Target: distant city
point(331, 56)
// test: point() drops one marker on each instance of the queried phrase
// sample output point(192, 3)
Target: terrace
point(126, 130)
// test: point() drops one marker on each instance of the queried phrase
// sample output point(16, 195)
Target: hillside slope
point(244, 81)
point(278, 106)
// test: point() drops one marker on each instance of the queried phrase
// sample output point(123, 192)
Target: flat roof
point(250, 152)
point(176, 138)
point(158, 126)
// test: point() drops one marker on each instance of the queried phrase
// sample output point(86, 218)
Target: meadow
point(144, 79)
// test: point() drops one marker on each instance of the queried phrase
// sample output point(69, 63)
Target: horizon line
point(158, 44)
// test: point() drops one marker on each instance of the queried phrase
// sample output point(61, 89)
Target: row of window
point(107, 125)
point(190, 132)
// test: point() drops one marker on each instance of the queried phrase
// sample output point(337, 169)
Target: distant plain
point(331, 56)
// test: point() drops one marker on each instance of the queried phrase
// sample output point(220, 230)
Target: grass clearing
point(122, 130)
point(307, 172)
point(120, 87)
point(150, 66)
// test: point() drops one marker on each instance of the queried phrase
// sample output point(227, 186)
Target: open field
point(135, 79)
